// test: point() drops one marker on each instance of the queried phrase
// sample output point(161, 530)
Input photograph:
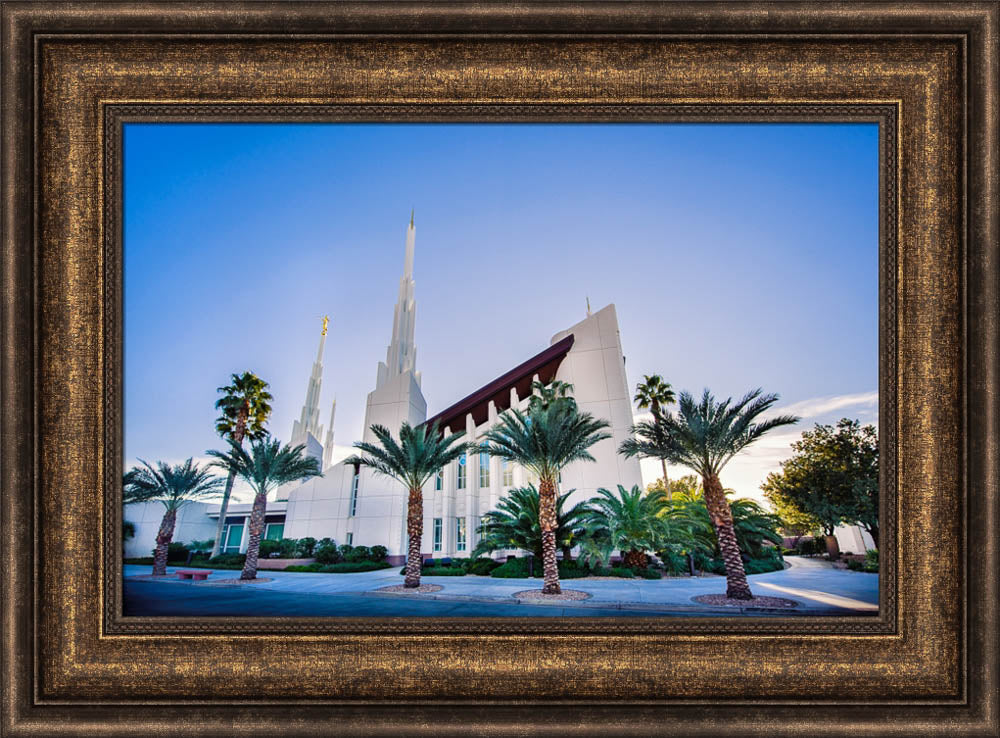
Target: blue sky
point(738, 256)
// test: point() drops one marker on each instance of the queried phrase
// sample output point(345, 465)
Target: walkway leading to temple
point(818, 588)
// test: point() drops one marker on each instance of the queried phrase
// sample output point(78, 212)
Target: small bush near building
point(345, 549)
point(512, 569)
point(623, 572)
point(268, 549)
point(177, 552)
point(357, 554)
point(304, 547)
point(650, 573)
point(443, 571)
point(326, 552)
point(379, 553)
point(227, 561)
point(347, 567)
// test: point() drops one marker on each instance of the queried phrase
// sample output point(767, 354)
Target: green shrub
point(304, 567)
point(358, 554)
point(304, 548)
point(287, 548)
point(348, 567)
point(871, 560)
point(379, 553)
point(227, 561)
point(651, 573)
point(572, 570)
point(623, 572)
point(267, 548)
point(326, 552)
point(855, 565)
point(176, 552)
point(344, 549)
point(763, 565)
point(443, 571)
point(482, 566)
point(601, 571)
point(140, 560)
point(675, 561)
point(513, 569)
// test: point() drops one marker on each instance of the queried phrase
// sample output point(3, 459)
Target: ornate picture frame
point(74, 74)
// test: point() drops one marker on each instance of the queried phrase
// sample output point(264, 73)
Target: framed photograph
point(700, 436)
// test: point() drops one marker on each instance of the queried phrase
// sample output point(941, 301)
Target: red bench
point(196, 575)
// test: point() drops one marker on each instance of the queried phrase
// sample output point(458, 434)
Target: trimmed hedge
point(442, 571)
point(344, 567)
point(512, 569)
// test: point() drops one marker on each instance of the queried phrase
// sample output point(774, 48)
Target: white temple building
point(356, 506)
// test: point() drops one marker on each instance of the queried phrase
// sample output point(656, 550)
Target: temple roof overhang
point(544, 364)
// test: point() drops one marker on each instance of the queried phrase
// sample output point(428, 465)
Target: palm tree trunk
point(221, 527)
point(547, 522)
point(238, 433)
point(257, 513)
point(163, 538)
point(722, 517)
point(414, 529)
point(635, 559)
point(666, 481)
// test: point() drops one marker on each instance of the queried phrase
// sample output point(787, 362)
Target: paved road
point(814, 584)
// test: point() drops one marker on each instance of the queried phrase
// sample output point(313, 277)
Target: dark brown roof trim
point(544, 364)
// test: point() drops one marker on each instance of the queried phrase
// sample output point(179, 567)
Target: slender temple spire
point(401, 355)
point(308, 422)
point(328, 443)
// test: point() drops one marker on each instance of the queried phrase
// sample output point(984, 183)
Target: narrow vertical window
point(437, 534)
point(350, 539)
point(460, 483)
point(354, 494)
point(484, 467)
point(439, 480)
point(508, 474)
point(459, 534)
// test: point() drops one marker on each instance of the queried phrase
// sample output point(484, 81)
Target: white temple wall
point(193, 524)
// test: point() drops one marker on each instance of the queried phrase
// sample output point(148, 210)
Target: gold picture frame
point(73, 74)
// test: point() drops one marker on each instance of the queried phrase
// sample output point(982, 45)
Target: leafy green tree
point(653, 393)
point(243, 410)
point(174, 486)
point(683, 487)
point(704, 436)
point(515, 524)
point(268, 465)
point(794, 521)
point(631, 521)
point(552, 433)
point(831, 476)
point(417, 456)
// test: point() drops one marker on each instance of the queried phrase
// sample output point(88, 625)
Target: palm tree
point(514, 524)
point(632, 522)
point(418, 455)
point(704, 436)
point(653, 393)
point(267, 466)
point(244, 409)
point(174, 486)
point(552, 434)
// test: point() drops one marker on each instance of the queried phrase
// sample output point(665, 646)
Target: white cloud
point(817, 406)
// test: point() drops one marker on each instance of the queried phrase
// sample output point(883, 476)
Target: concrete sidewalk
point(817, 587)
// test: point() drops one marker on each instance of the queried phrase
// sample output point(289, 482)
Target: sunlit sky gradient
point(738, 256)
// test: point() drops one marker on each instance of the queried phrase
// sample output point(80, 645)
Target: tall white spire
point(401, 356)
point(328, 443)
point(308, 422)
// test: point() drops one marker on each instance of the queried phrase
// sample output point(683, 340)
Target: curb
point(614, 605)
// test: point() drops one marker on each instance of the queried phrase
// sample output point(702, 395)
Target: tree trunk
point(666, 481)
point(414, 530)
point(257, 513)
point(832, 547)
point(238, 433)
point(722, 517)
point(163, 538)
point(547, 521)
point(635, 559)
point(221, 527)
